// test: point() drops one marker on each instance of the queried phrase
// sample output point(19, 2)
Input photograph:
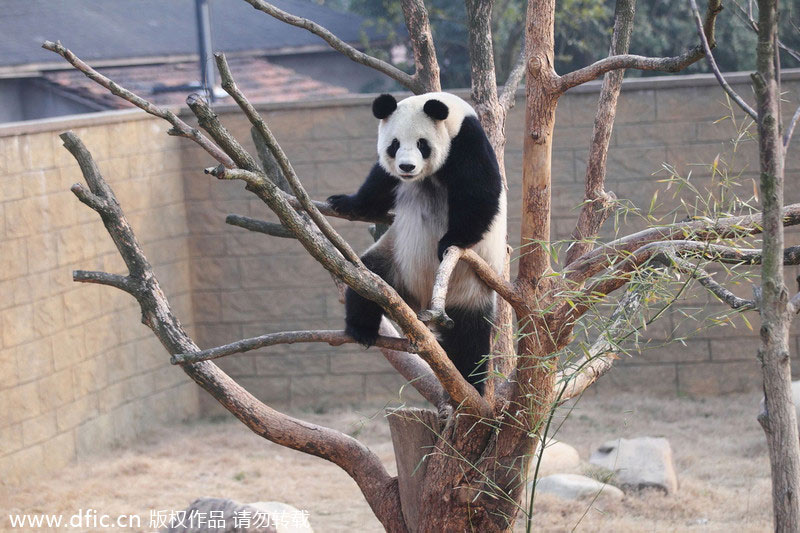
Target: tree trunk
point(779, 418)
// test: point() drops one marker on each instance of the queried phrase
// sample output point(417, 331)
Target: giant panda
point(438, 172)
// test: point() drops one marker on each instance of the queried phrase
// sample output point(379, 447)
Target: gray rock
point(558, 458)
point(644, 462)
point(220, 515)
point(576, 487)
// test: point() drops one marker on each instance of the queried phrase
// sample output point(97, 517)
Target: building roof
point(259, 80)
point(105, 31)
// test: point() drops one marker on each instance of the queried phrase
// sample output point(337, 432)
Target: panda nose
point(405, 167)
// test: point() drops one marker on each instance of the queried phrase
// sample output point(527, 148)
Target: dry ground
point(719, 450)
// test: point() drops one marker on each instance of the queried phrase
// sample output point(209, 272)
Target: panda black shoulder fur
point(438, 172)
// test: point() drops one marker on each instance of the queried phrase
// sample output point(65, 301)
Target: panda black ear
point(436, 110)
point(383, 106)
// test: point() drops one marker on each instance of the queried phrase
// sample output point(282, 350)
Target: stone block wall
point(82, 374)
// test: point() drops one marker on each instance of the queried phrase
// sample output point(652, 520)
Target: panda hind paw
point(363, 335)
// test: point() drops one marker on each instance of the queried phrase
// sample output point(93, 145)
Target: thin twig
point(712, 64)
point(719, 253)
point(337, 44)
point(179, 127)
point(508, 95)
point(332, 337)
point(751, 22)
point(787, 137)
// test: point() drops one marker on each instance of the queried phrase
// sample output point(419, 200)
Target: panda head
point(414, 135)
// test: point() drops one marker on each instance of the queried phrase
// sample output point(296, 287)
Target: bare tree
point(465, 466)
point(778, 419)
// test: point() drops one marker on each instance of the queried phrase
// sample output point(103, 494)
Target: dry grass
point(719, 450)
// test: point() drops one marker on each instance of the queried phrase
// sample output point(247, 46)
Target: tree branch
point(482, 70)
point(602, 354)
point(426, 75)
point(274, 229)
point(597, 203)
point(626, 61)
point(209, 121)
point(123, 283)
point(404, 79)
point(706, 280)
point(332, 337)
point(751, 22)
point(508, 95)
point(712, 64)
point(229, 84)
point(787, 137)
point(492, 279)
point(179, 127)
point(607, 254)
point(436, 312)
point(358, 461)
point(182, 129)
point(730, 254)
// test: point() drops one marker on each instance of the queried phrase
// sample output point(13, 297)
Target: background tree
point(464, 466)
point(582, 32)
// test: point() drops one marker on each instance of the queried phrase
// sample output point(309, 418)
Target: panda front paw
point(365, 336)
point(342, 203)
point(445, 243)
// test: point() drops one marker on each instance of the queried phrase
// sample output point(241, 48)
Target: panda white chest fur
point(421, 219)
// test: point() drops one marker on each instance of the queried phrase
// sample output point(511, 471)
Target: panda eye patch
point(393, 148)
point(424, 148)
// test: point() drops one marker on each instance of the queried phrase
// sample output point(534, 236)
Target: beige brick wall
point(81, 373)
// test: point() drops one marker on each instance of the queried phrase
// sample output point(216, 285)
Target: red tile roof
point(168, 84)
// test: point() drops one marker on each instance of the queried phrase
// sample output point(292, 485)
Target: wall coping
point(127, 115)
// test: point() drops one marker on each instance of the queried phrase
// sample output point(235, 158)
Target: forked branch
point(378, 487)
